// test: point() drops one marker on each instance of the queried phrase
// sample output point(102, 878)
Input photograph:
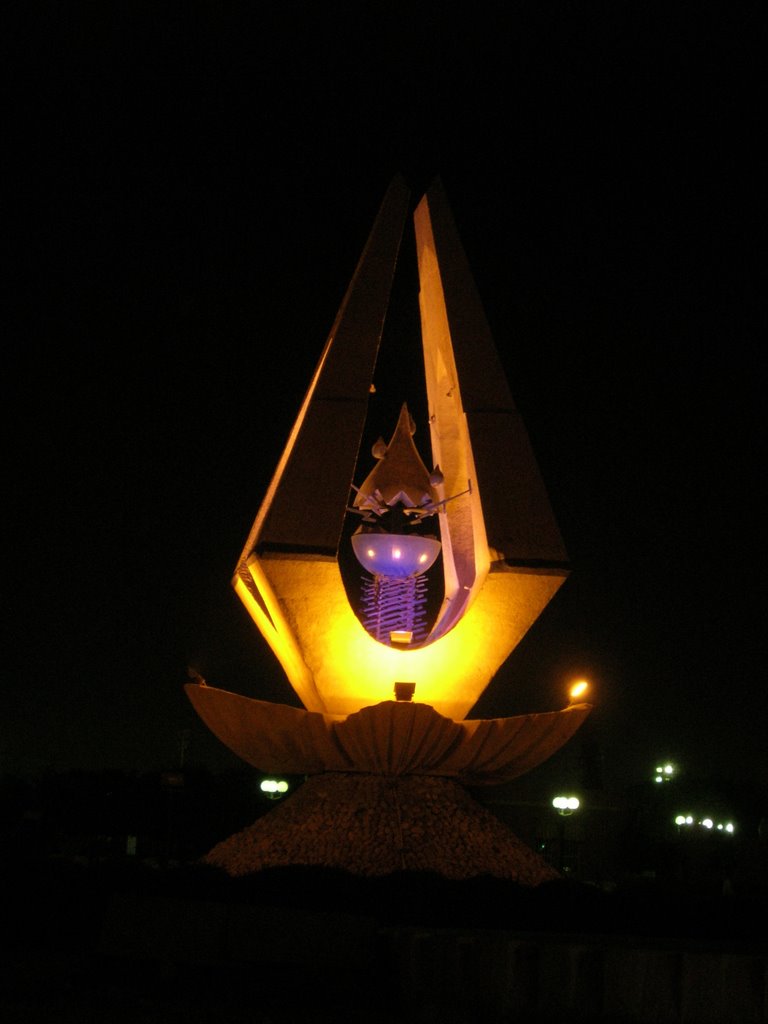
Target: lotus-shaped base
point(391, 738)
point(384, 790)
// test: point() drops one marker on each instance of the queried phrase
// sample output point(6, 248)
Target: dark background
point(191, 186)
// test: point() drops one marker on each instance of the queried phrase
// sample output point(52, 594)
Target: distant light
point(683, 819)
point(578, 689)
point(727, 827)
point(566, 804)
point(707, 823)
point(274, 787)
point(689, 820)
point(664, 772)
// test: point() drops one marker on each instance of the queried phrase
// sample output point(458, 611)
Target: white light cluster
point(707, 823)
point(664, 772)
point(564, 804)
point(274, 786)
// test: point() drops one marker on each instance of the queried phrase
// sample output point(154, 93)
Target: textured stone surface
point(375, 825)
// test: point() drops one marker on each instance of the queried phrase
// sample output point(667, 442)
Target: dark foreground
point(123, 943)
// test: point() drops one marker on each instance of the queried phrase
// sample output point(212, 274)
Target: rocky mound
point(374, 825)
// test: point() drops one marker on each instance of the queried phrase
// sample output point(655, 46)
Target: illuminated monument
point(452, 565)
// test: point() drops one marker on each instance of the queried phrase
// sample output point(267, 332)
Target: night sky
point(191, 187)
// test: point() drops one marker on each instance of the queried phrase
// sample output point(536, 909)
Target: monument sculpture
point(392, 598)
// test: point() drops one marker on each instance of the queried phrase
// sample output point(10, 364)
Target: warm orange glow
point(579, 689)
point(278, 634)
point(337, 667)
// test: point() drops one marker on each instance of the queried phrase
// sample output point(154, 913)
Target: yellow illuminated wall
point(336, 667)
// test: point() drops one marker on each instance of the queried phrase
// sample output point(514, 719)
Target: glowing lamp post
point(273, 788)
point(565, 806)
point(683, 819)
point(706, 823)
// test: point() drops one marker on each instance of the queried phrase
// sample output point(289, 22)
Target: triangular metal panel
point(305, 505)
point(519, 523)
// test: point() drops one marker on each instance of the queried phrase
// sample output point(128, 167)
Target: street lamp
point(565, 806)
point(706, 823)
point(274, 788)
